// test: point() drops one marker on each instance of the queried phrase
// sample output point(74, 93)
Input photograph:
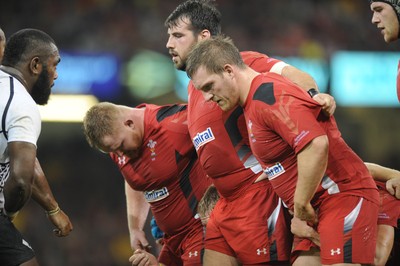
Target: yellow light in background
point(66, 108)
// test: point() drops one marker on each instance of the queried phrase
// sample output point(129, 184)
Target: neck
point(244, 82)
point(137, 116)
point(15, 73)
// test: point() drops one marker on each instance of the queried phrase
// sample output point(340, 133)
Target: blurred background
point(114, 50)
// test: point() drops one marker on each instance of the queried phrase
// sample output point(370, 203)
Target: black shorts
point(14, 250)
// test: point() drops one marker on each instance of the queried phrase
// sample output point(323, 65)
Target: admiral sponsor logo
point(274, 171)
point(203, 137)
point(156, 195)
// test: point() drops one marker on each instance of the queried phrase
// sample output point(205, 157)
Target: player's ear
point(228, 69)
point(129, 123)
point(35, 65)
point(204, 34)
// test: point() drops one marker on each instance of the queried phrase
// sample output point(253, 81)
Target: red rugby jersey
point(281, 120)
point(221, 138)
point(168, 170)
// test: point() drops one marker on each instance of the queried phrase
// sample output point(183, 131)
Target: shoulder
point(258, 61)
point(167, 112)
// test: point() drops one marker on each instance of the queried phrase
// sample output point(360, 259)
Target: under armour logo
point(194, 254)
point(333, 252)
point(121, 160)
point(264, 250)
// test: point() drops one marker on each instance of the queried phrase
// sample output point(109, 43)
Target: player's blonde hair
point(213, 53)
point(207, 203)
point(99, 122)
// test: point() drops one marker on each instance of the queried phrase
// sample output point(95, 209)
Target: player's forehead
point(202, 77)
point(182, 24)
point(379, 5)
point(110, 142)
point(53, 55)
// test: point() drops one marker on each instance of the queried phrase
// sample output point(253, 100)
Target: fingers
point(391, 190)
point(393, 187)
point(62, 232)
point(327, 102)
point(397, 194)
point(140, 258)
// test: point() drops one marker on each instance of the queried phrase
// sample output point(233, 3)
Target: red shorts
point(300, 245)
point(254, 228)
point(389, 208)
point(185, 248)
point(348, 227)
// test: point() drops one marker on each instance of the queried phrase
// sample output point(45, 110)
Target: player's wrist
point(53, 211)
point(312, 92)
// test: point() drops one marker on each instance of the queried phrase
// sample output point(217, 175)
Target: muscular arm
point(18, 187)
point(42, 194)
point(302, 79)
point(311, 162)
point(381, 173)
point(306, 82)
point(137, 211)
point(385, 174)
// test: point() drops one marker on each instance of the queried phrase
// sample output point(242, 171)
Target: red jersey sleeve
point(259, 62)
point(294, 118)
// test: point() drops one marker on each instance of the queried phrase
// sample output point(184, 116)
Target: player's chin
point(225, 107)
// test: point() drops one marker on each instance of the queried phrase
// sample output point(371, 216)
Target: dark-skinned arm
point(42, 194)
point(18, 187)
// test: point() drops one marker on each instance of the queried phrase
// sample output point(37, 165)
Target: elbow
point(18, 186)
point(16, 191)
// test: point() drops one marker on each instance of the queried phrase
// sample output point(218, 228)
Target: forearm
point(41, 192)
point(312, 162)
point(137, 208)
point(381, 173)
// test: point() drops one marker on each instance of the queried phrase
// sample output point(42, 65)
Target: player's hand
point(302, 229)
point(139, 240)
point(327, 102)
point(305, 212)
point(393, 187)
point(143, 258)
point(62, 222)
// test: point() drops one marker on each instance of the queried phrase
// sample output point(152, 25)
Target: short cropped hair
point(213, 54)
point(24, 44)
point(98, 123)
point(207, 203)
point(203, 15)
